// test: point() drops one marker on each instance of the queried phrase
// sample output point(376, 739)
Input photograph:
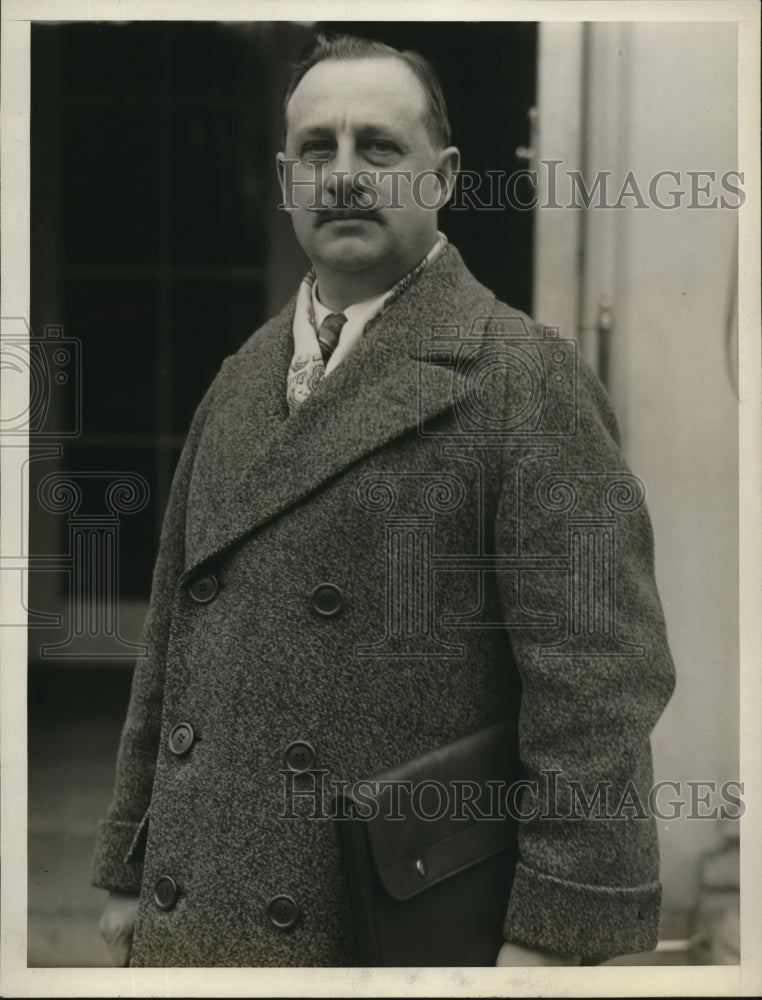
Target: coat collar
point(255, 461)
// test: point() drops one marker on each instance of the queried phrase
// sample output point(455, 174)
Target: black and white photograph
point(381, 501)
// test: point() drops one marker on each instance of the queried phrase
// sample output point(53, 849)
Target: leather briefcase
point(427, 873)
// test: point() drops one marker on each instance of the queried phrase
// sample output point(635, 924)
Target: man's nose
point(340, 182)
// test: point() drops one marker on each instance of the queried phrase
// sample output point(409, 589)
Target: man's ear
point(286, 200)
point(448, 165)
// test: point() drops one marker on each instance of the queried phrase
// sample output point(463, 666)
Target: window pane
point(211, 319)
point(219, 187)
point(109, 180)
point(117, 324)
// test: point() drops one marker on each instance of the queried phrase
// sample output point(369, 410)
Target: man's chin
point(350, 251)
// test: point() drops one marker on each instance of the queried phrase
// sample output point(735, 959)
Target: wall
point(679, 403)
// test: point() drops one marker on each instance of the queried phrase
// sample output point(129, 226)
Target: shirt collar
point(320, 311)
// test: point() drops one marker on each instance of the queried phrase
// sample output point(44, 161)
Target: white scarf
point(307, 369)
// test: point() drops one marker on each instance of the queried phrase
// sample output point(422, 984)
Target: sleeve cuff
point(116, 864)
point(596, 922)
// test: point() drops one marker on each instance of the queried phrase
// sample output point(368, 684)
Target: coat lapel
point(255, 461)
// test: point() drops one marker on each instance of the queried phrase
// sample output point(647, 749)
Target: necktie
point(328, 334)
point(307, 368)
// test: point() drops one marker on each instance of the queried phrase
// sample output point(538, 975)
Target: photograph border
point(18, 980)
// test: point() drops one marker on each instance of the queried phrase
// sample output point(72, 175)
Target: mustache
point(343, 214)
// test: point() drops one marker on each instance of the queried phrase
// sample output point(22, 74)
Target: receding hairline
point(439, 136)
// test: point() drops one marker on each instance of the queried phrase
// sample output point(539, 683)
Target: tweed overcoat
point(458, 484)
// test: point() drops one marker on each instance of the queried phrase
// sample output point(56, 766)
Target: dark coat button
point(165, 892)
point(204, 589)
point(283, 912)
point(299, 756)
point(327, 600)
point(181, 738)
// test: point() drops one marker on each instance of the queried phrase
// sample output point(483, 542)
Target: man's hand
point(117, 924)
point(514, 954)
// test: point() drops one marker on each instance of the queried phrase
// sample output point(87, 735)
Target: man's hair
point(348, 47)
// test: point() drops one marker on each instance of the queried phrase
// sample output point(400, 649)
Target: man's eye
point(382, 147)
point(317, 150)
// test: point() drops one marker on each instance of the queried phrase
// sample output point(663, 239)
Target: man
point(400, 514)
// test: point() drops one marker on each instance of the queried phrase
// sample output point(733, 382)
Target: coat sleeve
point(590, 642)
point(117, 858)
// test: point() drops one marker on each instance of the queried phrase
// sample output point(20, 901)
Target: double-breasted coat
point(444, 534)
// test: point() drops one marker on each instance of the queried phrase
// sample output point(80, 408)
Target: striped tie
point(328, 334)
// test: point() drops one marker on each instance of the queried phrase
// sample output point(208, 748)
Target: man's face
point(358, 126)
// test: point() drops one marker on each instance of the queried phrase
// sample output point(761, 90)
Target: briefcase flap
point(442, 812)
